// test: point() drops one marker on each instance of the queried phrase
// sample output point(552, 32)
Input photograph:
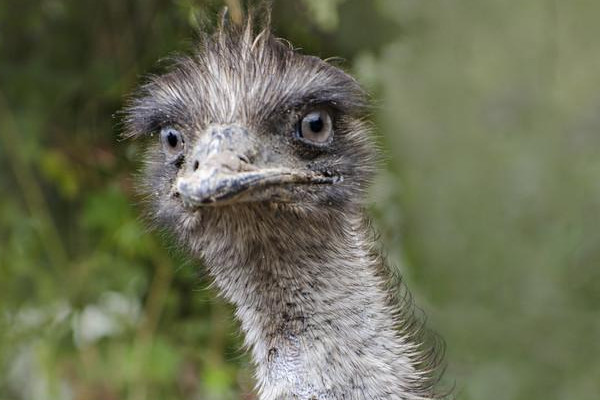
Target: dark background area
point(489, 200)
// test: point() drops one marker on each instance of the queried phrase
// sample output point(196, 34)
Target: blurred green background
point(489, 116)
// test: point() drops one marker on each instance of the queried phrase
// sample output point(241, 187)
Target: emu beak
point(220, 173)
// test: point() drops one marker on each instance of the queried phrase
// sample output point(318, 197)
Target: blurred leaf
point(56, 168)
point(325, 12)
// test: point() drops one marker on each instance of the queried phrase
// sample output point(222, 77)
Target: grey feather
point(321, 318)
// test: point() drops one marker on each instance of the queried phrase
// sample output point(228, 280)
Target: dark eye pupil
point(316, 124)
point(172, 139)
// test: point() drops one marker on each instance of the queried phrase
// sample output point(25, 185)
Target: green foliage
point(487, 113)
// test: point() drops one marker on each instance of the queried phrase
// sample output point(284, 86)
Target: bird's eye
point(172, 141)
point(316, 127)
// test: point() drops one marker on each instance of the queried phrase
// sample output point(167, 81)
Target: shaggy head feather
point(277, 217)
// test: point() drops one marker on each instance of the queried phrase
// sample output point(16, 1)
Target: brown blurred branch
point(235, 8)
point(155, 302)
point(30, 188)
point(159, 289)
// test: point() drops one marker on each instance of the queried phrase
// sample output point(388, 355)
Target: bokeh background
point(489, 202)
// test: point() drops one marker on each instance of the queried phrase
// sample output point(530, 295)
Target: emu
point(258, 163)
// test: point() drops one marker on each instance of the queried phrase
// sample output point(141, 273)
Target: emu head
point(247, 130)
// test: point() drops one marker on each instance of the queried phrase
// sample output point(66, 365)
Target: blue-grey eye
point(172, 141)
point(316, 127)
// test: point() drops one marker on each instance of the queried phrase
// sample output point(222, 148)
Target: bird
point(258, 163)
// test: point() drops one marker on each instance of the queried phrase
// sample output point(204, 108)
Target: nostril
point(196, 165)
point(243, 159)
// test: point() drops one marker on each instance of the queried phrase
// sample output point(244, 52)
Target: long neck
point(315, 311)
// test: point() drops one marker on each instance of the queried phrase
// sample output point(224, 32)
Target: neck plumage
point(314, 309)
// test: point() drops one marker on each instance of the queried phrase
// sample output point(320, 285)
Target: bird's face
point(248, 123)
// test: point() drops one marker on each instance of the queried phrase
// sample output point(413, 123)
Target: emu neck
point(313, 308)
